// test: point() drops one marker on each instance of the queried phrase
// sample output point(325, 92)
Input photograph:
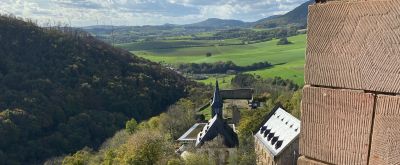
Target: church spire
point(217, 103)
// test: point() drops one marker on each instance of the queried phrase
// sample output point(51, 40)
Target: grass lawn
point(240, 54)
point(224, 81)
point(293, 70)
point(289, 57)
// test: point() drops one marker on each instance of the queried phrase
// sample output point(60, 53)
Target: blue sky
point(143, 12)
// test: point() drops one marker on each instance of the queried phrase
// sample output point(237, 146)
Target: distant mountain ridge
point(127, 34)
point(218, 23)
point(297, 17)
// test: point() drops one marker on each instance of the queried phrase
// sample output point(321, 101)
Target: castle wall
point(306, 161)
point(350, 105)
point(336, 125)
point(385, 147)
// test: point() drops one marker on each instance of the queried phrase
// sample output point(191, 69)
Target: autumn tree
point(131, 125)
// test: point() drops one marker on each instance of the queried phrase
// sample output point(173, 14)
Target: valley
point(288, 59)
point(104, 94)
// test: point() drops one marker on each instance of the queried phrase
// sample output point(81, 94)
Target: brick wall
point(350, 107)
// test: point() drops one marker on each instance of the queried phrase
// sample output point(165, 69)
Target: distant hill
point(297, 16)
point(218, 23)
point(62, 91)
point(127, 34)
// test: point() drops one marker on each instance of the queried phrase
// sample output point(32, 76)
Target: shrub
point(131, 126)
point(283, 41)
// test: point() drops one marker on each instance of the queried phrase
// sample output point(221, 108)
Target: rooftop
point(243, 93)
point(191, 134)
point(279, 131)
point(217, 126)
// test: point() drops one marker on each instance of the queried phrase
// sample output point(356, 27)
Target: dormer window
point(278, 144)
point(263, 128)
point(266, 132)
point(273, 141)
point(270, 136)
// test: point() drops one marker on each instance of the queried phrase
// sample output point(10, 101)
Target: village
point(316, 85)
point(276, 141)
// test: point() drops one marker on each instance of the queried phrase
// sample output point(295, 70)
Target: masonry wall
point(287, 157)
point(263, 155)
point(350, 107)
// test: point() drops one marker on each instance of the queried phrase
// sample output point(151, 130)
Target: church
point(216, 138)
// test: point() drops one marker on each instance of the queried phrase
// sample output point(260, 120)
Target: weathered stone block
point(385, 145)
point(336, 125)
point(305, 161)
point(354, 45)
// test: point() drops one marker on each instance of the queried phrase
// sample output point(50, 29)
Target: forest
point(249, 35)
point(153, 141)
point(220, 67)
point(62, 90)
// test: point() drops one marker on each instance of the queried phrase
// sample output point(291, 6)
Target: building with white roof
point(276, 141)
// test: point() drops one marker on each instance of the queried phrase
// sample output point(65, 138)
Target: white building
point(277, 140)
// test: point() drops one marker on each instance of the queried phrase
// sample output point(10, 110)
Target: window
point(278, 144)
point(226, 157)
point(274, 140)
point(267, 132)
point(270, 136)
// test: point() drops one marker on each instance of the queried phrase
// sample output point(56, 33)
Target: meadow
point(288, 59)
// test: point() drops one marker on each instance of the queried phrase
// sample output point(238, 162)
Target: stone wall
point(350, 107)
point(287, 157)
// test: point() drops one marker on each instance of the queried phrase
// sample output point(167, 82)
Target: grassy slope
point(291, 55)
point(223, 84)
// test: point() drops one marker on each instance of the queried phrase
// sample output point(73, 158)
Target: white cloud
point(141, 12)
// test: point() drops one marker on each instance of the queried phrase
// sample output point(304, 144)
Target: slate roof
point(243, 93)
point(192, 133)
point(217, 102)
point(278, 131)
point(217, 126)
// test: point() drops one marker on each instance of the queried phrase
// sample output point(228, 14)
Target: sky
point(142, 12)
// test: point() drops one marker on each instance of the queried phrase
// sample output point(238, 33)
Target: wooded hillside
point(61, 91)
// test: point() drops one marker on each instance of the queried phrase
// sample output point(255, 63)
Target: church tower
point(217, 103)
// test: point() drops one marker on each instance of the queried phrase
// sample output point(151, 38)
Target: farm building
point(277, 140)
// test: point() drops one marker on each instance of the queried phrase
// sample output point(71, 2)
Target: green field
point(224, 81)
point(288, 59)
point(168, 46)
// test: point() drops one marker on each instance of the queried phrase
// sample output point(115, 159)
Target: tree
point(131, 126)
point(175, 161)
point(243, 80)
point(283, 41)
point(145, 148)
point(79, 158)
point(197, 159)
point(208, 54)
point(178, 118)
